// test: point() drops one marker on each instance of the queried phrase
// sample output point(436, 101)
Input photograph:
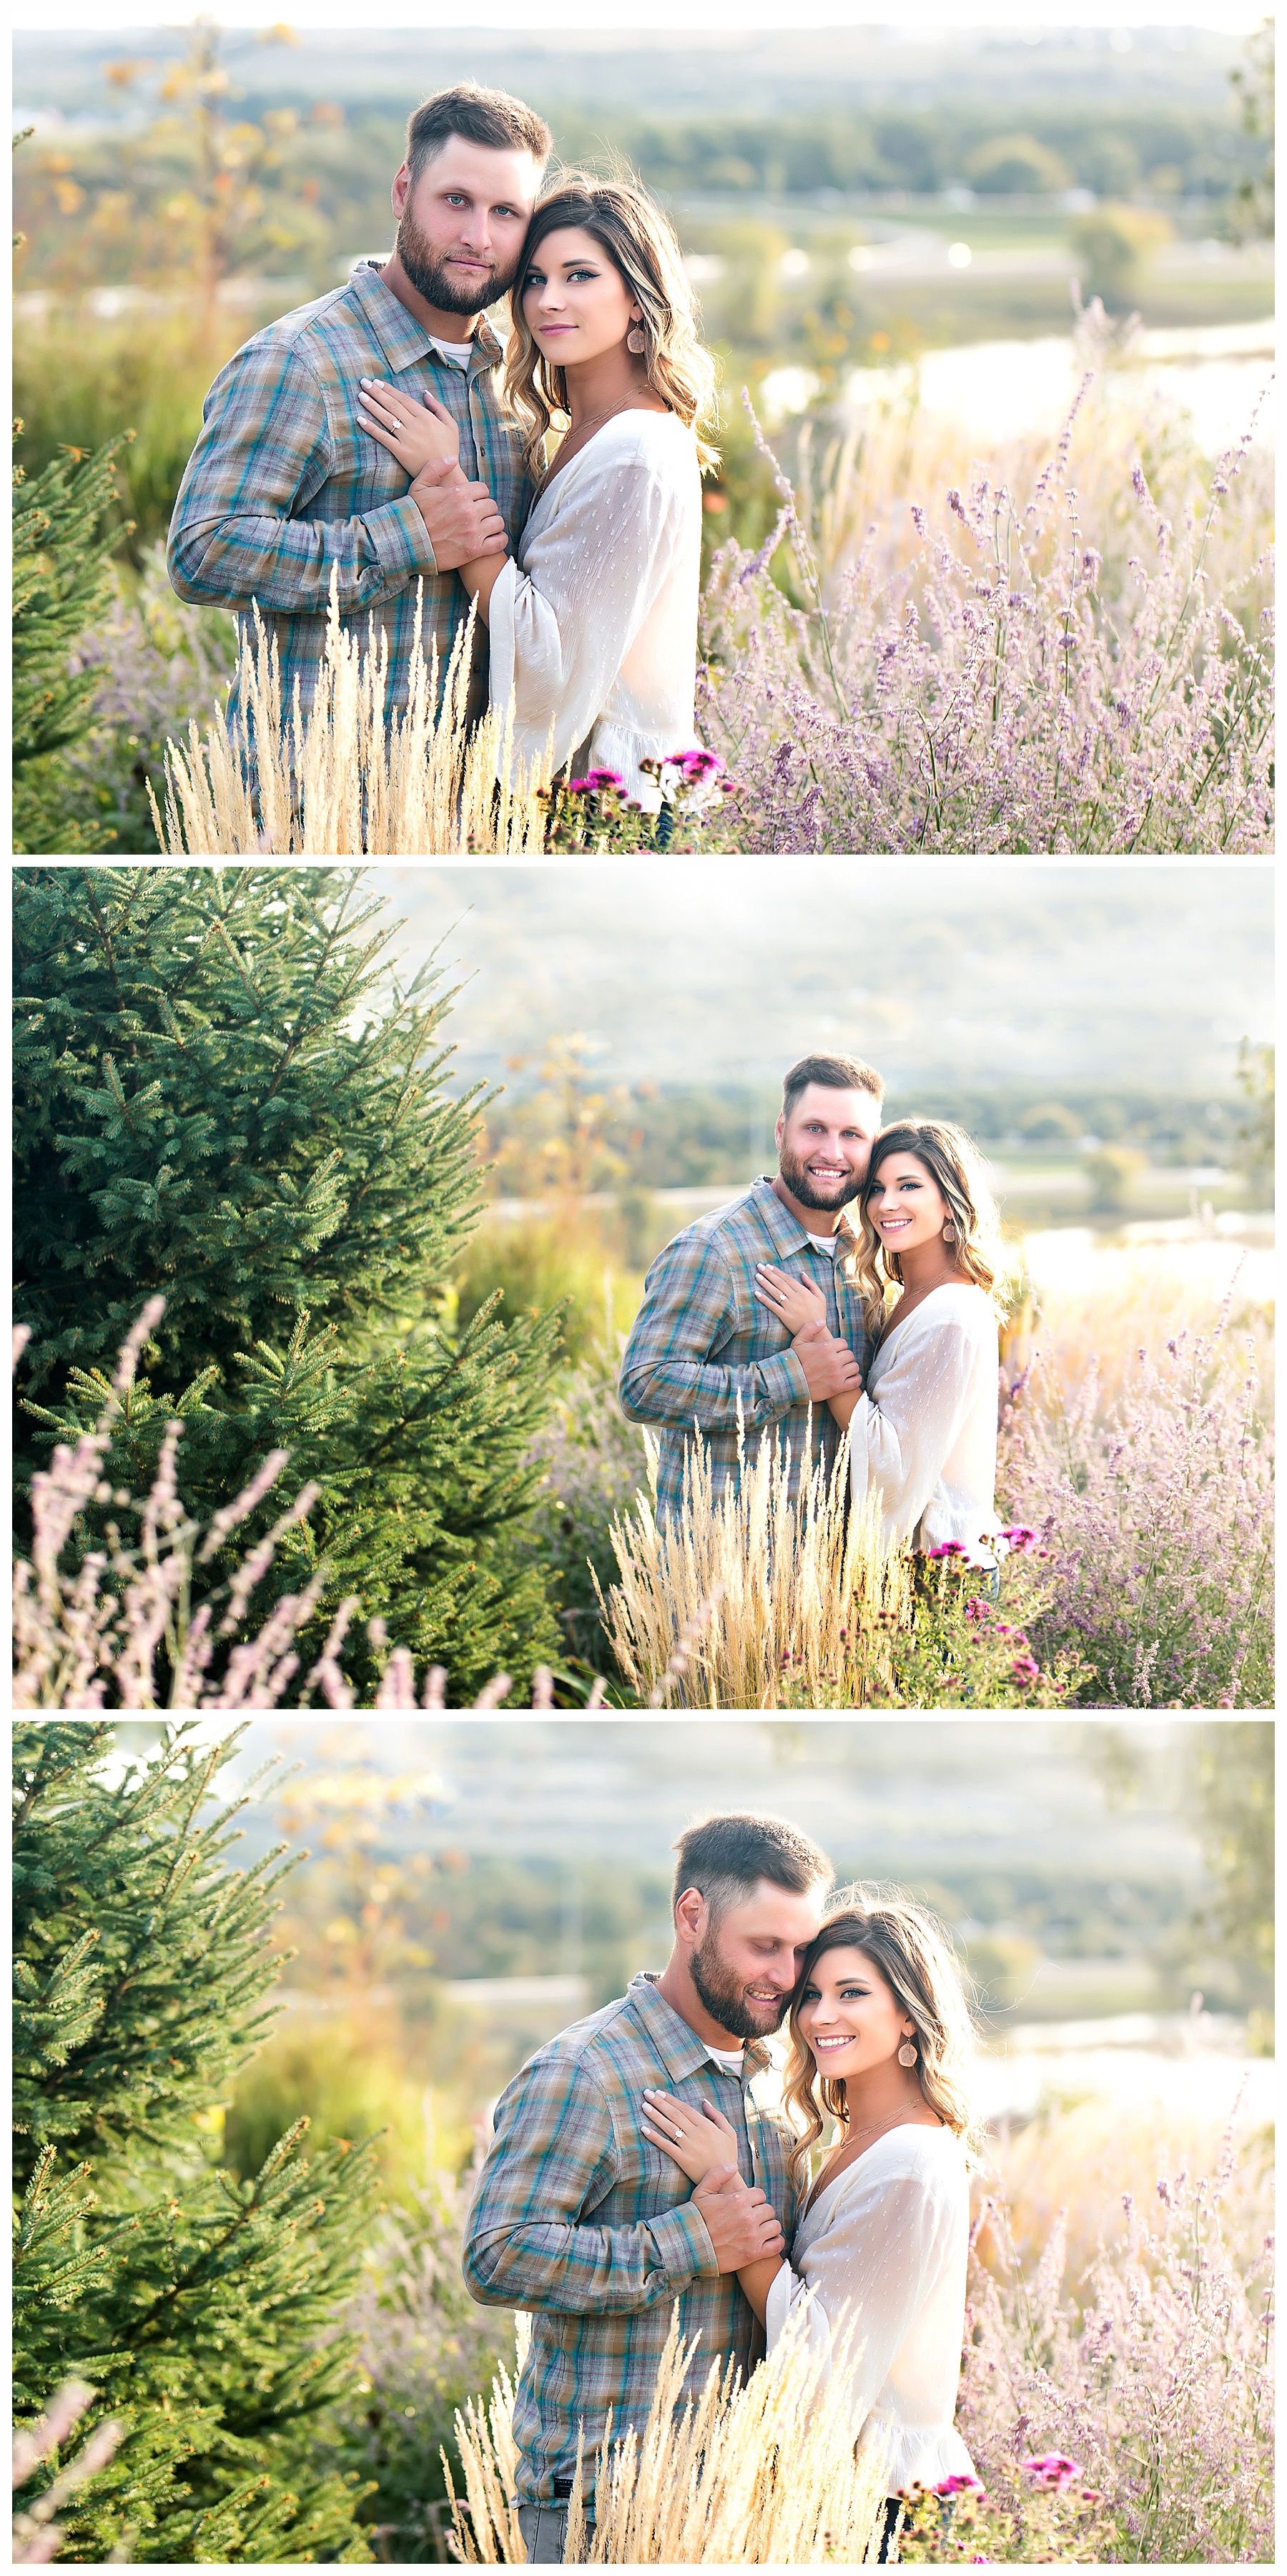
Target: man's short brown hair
point(727, 1856)
point(487, 116)
point(834, 1072)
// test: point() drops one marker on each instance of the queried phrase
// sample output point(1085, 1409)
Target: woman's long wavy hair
point(914, 1955)
point(953, 1161)
point(645, 252)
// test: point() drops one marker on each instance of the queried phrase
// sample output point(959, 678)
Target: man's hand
point(829, 1366)
point(461, 518)
point(738, 2220)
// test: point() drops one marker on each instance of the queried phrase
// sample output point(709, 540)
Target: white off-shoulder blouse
point(593, 621)
point(886, 2244)
point(923, 1435)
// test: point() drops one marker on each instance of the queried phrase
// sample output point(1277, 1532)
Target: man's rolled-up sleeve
point(668, 1373)
point(526, 2245)
point(241, 529)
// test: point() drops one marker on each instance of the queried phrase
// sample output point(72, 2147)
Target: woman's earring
point(907, 2053)
point(949, 1233)
point(635, 340)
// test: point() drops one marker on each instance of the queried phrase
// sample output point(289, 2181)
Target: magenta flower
point(961, 2485)
point(1053, 2470)
point(950, 1547)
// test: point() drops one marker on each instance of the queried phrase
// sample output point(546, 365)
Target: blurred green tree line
point(292, 190)
point(650, 1136)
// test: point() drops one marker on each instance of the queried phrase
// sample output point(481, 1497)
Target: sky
point(1121, 976)
point(881, 1796)
point(1228, 17)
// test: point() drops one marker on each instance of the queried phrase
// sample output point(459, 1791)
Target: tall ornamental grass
point(1156, 1511)
point(352, 776)
point(759, 1598)
point(1018, 678)
point(763, 2475)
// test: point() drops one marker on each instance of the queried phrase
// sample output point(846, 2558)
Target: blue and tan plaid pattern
point(579, 2220)
point(702, 1345)
point(284, 485)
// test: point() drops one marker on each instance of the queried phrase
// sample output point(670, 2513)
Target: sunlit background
point(470, 1888)
point(874, 217)
point(1102, 1033)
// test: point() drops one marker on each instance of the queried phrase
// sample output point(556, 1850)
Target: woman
point(923, 1433)
point(594, 623)
point(880, 2038)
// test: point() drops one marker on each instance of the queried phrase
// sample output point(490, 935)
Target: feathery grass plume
point(766, 2474)
point(37, 2538)
point(752, 1582)
point(350, 778)
point(485, 2525)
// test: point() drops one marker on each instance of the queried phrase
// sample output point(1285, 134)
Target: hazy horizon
point(1142, 977)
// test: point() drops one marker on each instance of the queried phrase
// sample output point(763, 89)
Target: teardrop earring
point(907, 2053)
point(635, 340)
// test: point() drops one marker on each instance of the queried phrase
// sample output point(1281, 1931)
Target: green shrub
point(350, 2083)
point(77, 382)
point(1116, 246)
point(543, 1262)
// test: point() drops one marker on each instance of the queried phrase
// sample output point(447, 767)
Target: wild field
point(1135, 1471)
point(1115, 2396)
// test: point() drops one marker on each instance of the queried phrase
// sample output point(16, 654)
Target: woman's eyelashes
point(574, 277)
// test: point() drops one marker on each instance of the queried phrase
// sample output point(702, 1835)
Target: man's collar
point(401, 337)
point(681, 2048)
point(787, 1232)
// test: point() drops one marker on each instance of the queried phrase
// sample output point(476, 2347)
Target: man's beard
point(807, 1192)
point(429, 278)
point(725, 2002)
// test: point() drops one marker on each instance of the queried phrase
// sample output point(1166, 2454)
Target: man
point(579, 2220)
point(285, 486)
point(703, 1353)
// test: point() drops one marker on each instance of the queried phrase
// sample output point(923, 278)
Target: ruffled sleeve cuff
point(500, 629)
point(784, 2290)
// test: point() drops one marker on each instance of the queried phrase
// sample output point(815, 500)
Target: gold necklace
point(592, 420)
point(850, 2138)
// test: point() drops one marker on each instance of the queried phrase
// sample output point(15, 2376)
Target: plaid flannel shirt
point(284, 485)
point(579, 2220)
point(702, 1346)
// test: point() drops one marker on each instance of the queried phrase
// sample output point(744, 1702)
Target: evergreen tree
point(197, 2307)
point(223, 1094)
point(61, 540)
point(65, 526)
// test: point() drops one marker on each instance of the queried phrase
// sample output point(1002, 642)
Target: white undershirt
point(824, 1243)
point(729, 2058)
point(458, 351)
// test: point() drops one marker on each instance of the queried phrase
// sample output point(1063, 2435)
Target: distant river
point(1005, 388)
